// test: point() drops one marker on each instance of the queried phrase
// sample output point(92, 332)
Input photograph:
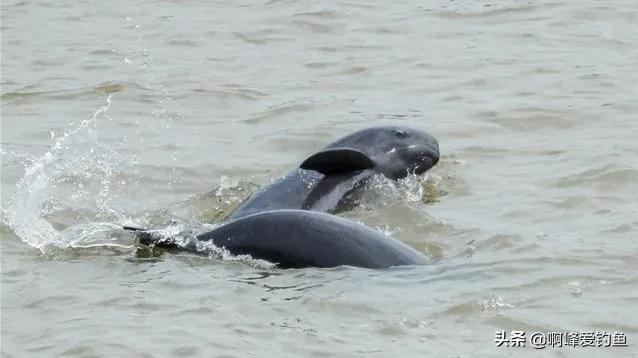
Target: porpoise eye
point(400, 133)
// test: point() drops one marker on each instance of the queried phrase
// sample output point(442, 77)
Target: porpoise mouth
point(423, 156)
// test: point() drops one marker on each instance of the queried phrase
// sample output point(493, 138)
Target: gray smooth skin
point(299, 238)
point(325, 179)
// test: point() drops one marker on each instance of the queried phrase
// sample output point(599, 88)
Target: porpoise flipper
point(337, 161)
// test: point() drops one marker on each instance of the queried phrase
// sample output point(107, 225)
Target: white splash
point(77, 169)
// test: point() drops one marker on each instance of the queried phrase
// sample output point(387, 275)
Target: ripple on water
point(262, 37)
point(19, 97)
point(606, 176)
point(536, 119)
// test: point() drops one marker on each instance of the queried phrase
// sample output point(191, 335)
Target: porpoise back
point(299, 238)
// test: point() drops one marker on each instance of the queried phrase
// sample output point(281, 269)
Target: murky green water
point(171, 112)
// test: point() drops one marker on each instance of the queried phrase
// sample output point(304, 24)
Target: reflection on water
point(169, 116)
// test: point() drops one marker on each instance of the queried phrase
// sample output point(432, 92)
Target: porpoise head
point(394, 152)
